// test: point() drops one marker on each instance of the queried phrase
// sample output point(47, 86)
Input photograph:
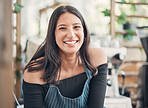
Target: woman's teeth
point(72, 42)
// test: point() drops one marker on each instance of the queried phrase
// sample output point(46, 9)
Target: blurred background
point(119, 27)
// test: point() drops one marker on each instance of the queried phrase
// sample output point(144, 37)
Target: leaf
point(133, 8)
point(144, 1)
point(118, 35)
point(122, 18)
point(123, 2)
point(140, 49)
point(130, 32)
point(106, 12)
point(128, 37)
point(18, 74)
point(18, 59)
point(130, 0)
point(17, 7)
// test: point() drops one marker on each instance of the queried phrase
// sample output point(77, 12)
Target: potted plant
point(129, 33)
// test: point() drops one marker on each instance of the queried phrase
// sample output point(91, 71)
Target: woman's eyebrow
point(77, 24)
point(61, 25)
point(65, 24)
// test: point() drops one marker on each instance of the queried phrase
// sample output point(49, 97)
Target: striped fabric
point(54, 98)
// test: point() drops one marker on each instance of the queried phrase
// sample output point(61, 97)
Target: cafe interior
point(119, 27)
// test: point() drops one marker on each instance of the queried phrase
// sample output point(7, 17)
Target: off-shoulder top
point(72, 87)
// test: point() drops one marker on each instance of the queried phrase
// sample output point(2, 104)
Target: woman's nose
point(70, 33)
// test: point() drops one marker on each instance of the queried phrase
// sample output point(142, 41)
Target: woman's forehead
point(68, 18)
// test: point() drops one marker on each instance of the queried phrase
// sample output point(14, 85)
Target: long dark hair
point(47, 57)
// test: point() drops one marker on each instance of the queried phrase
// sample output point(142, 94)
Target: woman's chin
point(70, 51)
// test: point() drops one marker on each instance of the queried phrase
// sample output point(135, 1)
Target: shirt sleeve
point(98, 88)
point(33, 95)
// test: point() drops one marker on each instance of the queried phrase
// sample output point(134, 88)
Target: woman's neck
point(69, 63)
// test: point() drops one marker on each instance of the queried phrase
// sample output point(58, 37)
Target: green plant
point(17, 71)
point(17, 74)
point(119, 35)
point(133, 8)
point(128, 34)
point(122, 18)
point(144, 1)
point(122, 1)
point(130, 0)
point(141, 49)
point(18, 59)
point(17, 7)
point(106, 12)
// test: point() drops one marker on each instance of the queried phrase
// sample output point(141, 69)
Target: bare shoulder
point(97, 56)
point(34, 76)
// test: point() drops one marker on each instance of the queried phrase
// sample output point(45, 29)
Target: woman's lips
point(71, 42)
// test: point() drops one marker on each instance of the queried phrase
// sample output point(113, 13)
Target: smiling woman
point(64, 72)
point(69, 34)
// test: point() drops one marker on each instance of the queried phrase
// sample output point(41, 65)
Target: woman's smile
point(71, 43)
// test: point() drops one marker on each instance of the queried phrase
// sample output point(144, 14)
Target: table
point(118, 102)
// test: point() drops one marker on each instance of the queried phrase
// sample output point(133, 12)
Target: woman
point(64, 72)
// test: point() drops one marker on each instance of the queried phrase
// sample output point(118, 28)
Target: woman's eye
point(62, 28)
point(77, 27)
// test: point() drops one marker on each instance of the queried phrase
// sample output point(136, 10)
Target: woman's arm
point(33, 95)
point(98, 88)
point(98, 83)
point(33, 89)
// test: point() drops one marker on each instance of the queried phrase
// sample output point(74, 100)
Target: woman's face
point(69, 34)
